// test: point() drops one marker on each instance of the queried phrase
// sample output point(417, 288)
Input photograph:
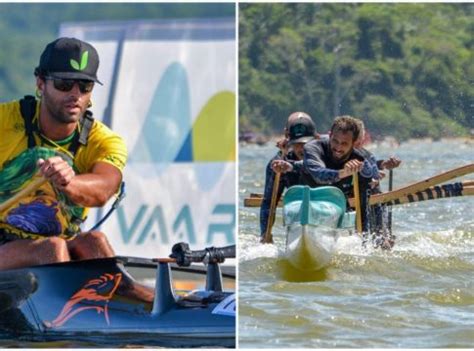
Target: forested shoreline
point(406, 69)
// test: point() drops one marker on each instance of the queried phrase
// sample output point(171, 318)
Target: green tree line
point(26, 28)
point(406, 69)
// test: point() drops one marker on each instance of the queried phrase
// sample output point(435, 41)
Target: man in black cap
point(80, 159)
point(299, 129)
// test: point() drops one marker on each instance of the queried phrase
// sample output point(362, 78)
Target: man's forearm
point(317, 169)
point(90, 190)
point(323, 175)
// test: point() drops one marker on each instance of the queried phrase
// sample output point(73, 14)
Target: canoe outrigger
point(87, 300)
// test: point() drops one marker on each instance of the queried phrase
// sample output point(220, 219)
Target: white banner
point(169, 90)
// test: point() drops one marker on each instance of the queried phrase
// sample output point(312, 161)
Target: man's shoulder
point(363, 152)
point(316, 145)
point(103, 138)
point(10, 103)
point(101, 130)
point(10, 107)
point(103, 145)
point(277, 156)
point(10, 113)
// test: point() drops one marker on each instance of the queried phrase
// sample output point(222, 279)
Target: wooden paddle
point(268, 238)
point(256, 201)
point(35, 184)
point(390, 188)
point(357, 203)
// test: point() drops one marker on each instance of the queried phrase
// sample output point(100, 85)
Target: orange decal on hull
point(94, 291)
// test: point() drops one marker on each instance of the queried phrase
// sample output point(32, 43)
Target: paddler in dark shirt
point(299, 129)
point(333, 161)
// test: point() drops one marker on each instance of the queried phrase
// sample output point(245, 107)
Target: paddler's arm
point(351, 167)
point(92, 189)
point(323, 175)
point(316, 167)
point(390, 163)
point(296, 166)
point(267, 194)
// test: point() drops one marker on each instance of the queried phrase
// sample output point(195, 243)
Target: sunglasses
point(85, 86)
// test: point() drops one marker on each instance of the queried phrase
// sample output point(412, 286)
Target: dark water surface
point(420, 295)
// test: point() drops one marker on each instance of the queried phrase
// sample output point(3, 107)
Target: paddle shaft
point(268, 238)
point(35, 184)
point(390, 188)
point(357, 202)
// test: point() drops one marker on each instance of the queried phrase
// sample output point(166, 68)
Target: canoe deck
point(313, 219)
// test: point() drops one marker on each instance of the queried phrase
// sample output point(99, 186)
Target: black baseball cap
point(69, 58)
point(301, 130)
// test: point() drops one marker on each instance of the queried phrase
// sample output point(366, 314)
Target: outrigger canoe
point(313, 219)
point(87, 300)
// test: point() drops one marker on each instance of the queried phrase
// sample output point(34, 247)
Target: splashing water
point(418, 295)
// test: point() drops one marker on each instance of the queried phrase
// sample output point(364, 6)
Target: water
point(419, 295)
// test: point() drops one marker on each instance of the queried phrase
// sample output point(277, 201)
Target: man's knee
point(97, 237)
point(56, 248)
point(90, 245)
point(23, 252)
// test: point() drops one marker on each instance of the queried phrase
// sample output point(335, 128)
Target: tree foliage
point(405, 69)
point(26, 28)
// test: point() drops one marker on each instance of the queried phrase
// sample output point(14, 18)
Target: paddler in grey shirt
point(333, 161)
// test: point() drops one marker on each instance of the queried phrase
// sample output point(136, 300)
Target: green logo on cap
point(299, 129)
point(83, 65)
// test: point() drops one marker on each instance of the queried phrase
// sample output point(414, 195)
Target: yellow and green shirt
point(46, 212)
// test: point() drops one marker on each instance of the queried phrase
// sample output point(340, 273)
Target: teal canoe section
point(324, 206)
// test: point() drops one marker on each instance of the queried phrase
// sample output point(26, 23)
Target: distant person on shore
point(299, 129)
